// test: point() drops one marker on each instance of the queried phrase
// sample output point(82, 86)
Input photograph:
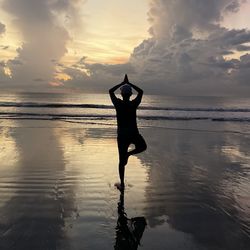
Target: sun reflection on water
point(9, 154)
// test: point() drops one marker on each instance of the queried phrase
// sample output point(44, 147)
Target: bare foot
point(120, 186)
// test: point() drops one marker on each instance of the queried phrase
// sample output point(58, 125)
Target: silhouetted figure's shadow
point(128, 231)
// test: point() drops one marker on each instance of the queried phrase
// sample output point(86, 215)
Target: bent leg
point(140, 145)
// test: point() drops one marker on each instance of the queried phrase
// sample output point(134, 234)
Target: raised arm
point(139, 90)
point(138, 98)
point(112, 92)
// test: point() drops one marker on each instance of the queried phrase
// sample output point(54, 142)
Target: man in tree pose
point(127, 132)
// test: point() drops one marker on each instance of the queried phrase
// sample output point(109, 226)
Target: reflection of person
point(128, 132)
point(128, 231)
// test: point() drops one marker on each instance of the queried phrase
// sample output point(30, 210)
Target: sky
point(174, 47)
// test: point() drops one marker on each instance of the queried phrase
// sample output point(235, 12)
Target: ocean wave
point(53, 105)
point(99, 106)
point(50, 116)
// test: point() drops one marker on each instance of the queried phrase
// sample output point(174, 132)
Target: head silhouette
point(126, 92)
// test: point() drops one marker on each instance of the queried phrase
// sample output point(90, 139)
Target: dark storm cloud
point(188, 14)
point(3, 77)
point(230, 37)
point(38, 80)
point(187, 48)
point(97, 77)
point(234, 6)
point(243, 48)
point(15, 62)
point(243, 72)
point(112, 69)
point(2, 28)
point(2, 64)
point(245, 61)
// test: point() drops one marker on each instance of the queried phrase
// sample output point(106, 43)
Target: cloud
point(242, 74)
point(4, 47)
point(15, 62)
point(243, 47)
point(2, 64)
point(2, 28)
point(3, 76)
point(95, 77)
point(188, 50)
point(188, 53)
point(112, 69)
point(188, 46)
point(45, 36)
point(68, 10)
point(233, 6)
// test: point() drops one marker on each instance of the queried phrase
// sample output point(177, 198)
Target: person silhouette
point(127, 130)
point(128, 231)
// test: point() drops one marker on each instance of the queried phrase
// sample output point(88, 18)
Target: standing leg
point(123, 145)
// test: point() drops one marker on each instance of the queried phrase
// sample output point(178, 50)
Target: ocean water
point(58, 164)
point(98, 107)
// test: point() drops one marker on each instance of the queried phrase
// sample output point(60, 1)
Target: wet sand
point(57, 187)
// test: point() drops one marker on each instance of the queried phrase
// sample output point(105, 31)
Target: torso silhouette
point(126, 116)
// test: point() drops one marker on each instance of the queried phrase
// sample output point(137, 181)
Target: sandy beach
point(158, 89)
point(57, 187)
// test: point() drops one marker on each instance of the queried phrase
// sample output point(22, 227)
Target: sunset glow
point(88, 44)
